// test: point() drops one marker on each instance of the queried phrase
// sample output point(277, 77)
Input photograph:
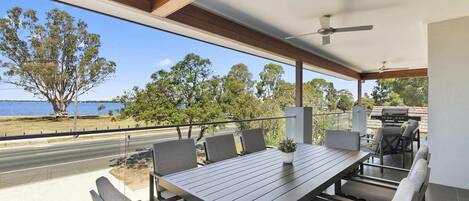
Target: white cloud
point(164, 63)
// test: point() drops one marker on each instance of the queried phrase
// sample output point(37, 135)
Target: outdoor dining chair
point(107, 191)
point(342, 139)
point(170, 157)
point(252, 140)
point(411, 188)
point(218, 148)
point(405, 192)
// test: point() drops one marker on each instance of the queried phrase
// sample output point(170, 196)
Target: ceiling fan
point(383, 68)
point(326, 30)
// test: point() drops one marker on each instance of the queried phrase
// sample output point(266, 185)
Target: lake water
point(33, 108)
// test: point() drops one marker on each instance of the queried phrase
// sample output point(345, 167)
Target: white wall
point(448, 49)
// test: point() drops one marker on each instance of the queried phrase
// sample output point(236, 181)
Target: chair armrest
point(373, 183)
point(327, 197)
point(379, 179)
point(387, 167)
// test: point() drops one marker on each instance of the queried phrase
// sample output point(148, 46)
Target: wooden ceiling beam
point(420, 72)
point(163, 8)
point(204, 20)
point(211, 23)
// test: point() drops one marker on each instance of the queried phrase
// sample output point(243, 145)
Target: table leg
point(338, 187)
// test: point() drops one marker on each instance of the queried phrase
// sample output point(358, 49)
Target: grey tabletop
point(263, 176)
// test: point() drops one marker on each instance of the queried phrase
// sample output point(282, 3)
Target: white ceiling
point(399, 35)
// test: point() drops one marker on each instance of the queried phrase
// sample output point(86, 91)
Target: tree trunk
point(202, 132)
point(59, 107)
point(189, 133)
point(179, 132)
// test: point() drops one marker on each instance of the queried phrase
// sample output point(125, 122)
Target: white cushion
point(422, 153)
point(405, 191)
point(418, 174)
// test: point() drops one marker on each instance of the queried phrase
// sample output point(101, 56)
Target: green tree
point(314, 94)
point(401, 91)
point(345, 102)
point(368, 101)
point(184, 95)
point(56, 60)
point(238, 100)
point(270, 79)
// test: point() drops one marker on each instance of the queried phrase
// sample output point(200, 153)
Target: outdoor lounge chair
point(221, 147)
point(107, 191)
point(341, 139)
point(392, 140)
point(252, 140)
point(170, 157)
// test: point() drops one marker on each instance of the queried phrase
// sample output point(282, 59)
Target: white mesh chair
point(170, 157)
point(252, 140)
point(107, 191)
point(341, 139)
point(221, 147)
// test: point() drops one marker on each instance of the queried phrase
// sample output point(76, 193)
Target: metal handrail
point(331, 113)
point(91, 132)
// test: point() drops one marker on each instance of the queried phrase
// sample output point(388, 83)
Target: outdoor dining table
point(263, 175)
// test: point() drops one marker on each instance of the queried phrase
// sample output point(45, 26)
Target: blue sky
point(140, 51)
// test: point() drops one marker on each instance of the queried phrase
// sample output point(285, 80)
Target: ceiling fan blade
point(326, 40)
point(356, 28)
point(325, 21)
point(301, 35)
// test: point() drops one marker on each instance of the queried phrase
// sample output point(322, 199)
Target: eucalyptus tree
point(58, 59)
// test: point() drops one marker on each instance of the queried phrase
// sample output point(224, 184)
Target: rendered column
point(359, 119)
point(300, 128)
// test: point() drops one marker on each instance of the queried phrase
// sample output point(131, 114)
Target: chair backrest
point(174, 156)
point(95, 196)
point(405, 191)
point(252, 140)
point(423, 189)
point(221, 147)
point(411, 128)
point(422, 153)
point(388, 138)
point(418, 175)
point(341, 139)
point(107, 191)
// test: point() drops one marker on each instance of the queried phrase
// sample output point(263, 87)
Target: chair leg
point(403, 158)
point(361, 168)
point(381, 161)
point(152, 188)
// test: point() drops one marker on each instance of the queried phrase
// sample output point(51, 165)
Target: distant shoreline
point(42, 101)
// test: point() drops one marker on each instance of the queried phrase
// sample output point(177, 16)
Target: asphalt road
point(48, 161)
